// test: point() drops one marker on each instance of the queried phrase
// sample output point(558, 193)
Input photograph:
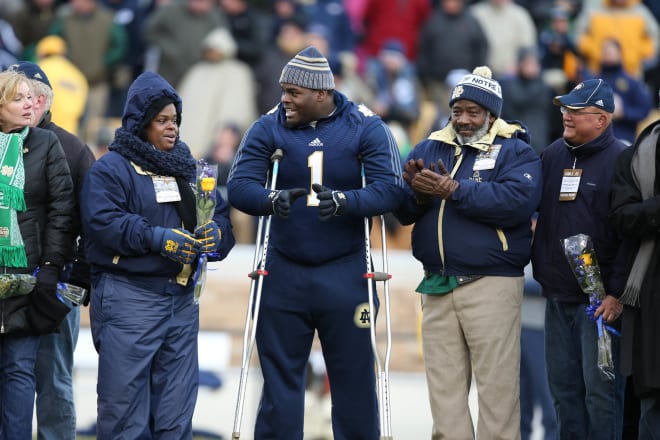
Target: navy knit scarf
point(178, 162)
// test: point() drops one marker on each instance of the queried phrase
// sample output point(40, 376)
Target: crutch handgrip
point(378, 276)
point(277, 155)
point(256, 273)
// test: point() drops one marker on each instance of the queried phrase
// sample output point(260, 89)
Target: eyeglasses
point(572, 112)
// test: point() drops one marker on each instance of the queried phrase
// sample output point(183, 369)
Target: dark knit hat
point(31, 70)
point(480, 87)
point(308, 69)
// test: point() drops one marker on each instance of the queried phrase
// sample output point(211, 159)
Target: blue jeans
point(56, 413)
point(649, 420)
point(588, 407)
point(17, 385)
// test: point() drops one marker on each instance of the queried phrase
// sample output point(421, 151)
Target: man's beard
point(481, 132)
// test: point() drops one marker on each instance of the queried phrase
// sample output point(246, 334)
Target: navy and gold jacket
point(484, 228)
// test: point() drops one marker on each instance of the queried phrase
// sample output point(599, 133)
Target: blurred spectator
point(285, 10)
point(527, 98)
point(70, 87)
point(508, 28)
point(131, 15)
point(632, 100)
point(104, 137)
point(219, 88)
point(329, 17)
point(534, 389)
point(559, 59)
point(629, 22)
point(384, 20)
point(393, 80)
point(95, 44)
point(250, 28)
point(454, 36)
point(355, 10)
point(348, 80)
point(443, 111)
point(9, 7)
point(221, 151)
point(539, 10)
point(10, 46)
point(175, 32)
point(291, 39)
point(31, 23)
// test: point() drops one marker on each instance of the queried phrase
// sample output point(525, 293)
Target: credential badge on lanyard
point(166, 189)
point(486, 159)
point(570, 184)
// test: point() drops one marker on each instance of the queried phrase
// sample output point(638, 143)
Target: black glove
point(80, 277)
point(47, 278)
point(209, 236)
point(176, 244)
point(46, 312)
point(281, 201)
point(330, 202)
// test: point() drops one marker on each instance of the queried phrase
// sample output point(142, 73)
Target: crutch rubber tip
point(235, 436)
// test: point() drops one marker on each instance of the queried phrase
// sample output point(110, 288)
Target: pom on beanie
point(308, 69)
point(480, 87)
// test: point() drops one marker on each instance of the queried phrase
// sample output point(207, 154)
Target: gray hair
point(39, 88)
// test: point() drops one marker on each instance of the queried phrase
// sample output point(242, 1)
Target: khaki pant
point(474, 330)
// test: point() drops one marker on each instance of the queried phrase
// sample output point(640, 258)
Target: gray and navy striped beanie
point(308, 69)
point(480, 87)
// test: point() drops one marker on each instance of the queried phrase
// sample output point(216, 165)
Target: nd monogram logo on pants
point(361, 315)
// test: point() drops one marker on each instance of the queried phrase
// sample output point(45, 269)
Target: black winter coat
point(638, 219)
point(45, 227)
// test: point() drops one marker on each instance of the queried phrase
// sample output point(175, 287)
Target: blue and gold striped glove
point(176, 244)
point(209, 235)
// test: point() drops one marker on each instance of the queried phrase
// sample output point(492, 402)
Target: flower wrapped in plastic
point(205, 201)
point(15, 284)
point(206, 191)
point(579, 251)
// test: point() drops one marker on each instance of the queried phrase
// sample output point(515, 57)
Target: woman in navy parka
point(137, 208)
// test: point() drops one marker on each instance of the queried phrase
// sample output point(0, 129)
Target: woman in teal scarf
point(36, 202)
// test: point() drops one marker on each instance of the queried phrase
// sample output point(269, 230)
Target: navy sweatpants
point(333, 300)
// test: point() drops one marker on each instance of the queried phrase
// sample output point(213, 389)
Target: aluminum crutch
point(382, 370)
point(252, 316)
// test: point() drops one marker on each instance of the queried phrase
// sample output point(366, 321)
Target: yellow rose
point(208, 184)
point(586, 258)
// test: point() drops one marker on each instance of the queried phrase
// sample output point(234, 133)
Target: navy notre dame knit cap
point(589, 93)
point(308, 69)
point(31, 70)
point(480, 87)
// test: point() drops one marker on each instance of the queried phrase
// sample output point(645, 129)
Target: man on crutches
point(314, 279)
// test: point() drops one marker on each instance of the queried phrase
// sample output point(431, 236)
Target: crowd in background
point(399, 58)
